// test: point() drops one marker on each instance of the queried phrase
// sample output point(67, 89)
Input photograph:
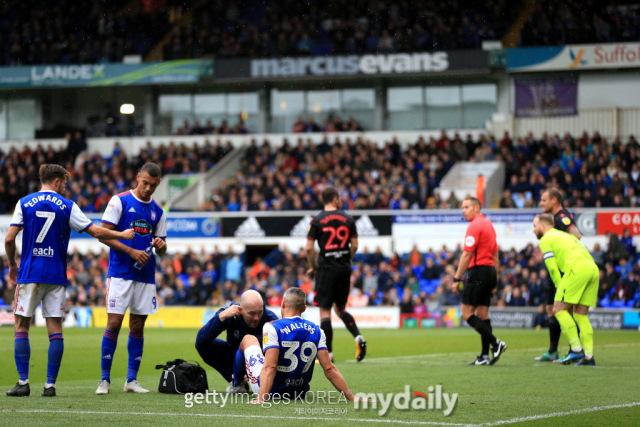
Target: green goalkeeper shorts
point(579, 286)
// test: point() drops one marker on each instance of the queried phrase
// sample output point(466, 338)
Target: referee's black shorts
point(332, 287)
point(481, 280)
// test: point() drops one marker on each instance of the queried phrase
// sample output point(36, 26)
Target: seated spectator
point(406, 305)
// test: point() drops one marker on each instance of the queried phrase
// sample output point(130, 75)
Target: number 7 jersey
point(299, 341)
point(333, 230)
point(46, 219)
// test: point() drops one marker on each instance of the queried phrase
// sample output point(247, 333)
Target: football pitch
point(517, 390)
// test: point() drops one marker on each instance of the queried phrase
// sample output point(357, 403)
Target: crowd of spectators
point(594, 172)
point(94, 178)
point(331, 124)
point(575, 21)
point(209, 128)
point(227, 29)
point(34, 32)
point(416, 282)
point(69, 32)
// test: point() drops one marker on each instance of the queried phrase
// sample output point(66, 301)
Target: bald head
point(250, 299)
point(252, 308)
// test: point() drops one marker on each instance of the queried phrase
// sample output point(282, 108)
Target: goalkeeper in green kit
point(578, 288)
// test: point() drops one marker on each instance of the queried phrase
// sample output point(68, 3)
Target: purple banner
point(546, 97)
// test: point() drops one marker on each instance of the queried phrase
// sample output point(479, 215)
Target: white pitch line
point(519, 350)
point(172, 414)
point(558, 414)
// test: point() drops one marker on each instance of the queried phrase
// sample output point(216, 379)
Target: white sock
point(23, 382)
point(576, 349)
point(49, 385)
point(588, 356)
point(359, 338)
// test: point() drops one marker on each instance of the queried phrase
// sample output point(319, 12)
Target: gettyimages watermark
point(433, 400)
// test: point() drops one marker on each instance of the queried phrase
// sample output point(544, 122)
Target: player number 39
point(292, 346)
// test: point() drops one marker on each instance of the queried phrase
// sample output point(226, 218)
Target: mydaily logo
point(350, 65)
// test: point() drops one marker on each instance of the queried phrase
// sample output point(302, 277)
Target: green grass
point(515, 387)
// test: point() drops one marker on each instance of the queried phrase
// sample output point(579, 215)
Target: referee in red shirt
point(480, 257)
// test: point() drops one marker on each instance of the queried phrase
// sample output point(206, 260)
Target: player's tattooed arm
point(311, 256)
point(160, 245)
point(354, 247)
point(574, 230)
point(140, 256)
point(10, 249)
point(333, 374)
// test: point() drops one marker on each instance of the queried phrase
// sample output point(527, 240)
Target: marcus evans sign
point(393, 64)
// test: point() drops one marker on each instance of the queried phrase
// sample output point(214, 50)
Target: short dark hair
point(50, 172)
point(554, 193)
point(152, 169)
point(474, 200)
point(296, 298)
point(547, 219)
point(328, 194)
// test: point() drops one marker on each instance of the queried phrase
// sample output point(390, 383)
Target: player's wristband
point(456, 280)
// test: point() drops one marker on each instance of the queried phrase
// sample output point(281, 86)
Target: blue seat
point(617, 304)
point(630, 303)
point(435, 283)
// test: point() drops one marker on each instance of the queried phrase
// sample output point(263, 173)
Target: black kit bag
point(181, 377)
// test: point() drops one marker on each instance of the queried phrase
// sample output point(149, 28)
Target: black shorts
point(481, 280)
point(332, 287)
point(551, 294)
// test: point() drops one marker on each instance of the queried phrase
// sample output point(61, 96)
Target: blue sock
point(22, 354)
point(109, 343)
point(136, 342)
point(56, 348)
point(239, 368)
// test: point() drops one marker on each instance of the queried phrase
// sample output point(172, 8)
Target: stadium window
point(174, 110)
point(359, 104)
point(405, 107)
point(286, 107)
point(210, 107)
point(323, 103)
point(245, 106)
point(478, 104)
point(443, 107)
point(22, 119)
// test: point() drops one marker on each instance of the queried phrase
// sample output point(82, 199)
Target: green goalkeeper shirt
point(563, 252)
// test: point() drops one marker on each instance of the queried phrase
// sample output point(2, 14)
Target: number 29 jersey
point(333, 230)
point(299, 341)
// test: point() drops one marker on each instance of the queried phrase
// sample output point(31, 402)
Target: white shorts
point(138, 297)
point(254, 361)
point(29, 295)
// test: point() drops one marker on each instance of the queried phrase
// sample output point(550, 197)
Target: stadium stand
point(575, 22)
point(68, 32)
point(596, 173)
point(95, 178)
point(84, 33)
